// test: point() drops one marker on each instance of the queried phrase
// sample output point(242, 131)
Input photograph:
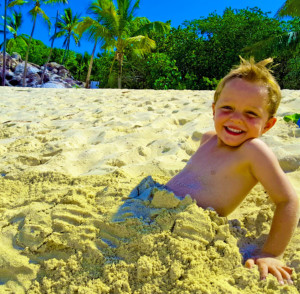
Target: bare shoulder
point(255, 147)
point(206, 136)
point(265, 167)
point(257, 151)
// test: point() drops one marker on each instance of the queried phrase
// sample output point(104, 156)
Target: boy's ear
point(213, 108)
point(269, 124)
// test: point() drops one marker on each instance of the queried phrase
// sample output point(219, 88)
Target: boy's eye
point(226, 107)
point(252, 114)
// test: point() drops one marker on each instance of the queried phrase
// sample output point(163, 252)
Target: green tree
point(289, 8)
point(66, 26)
point(7, 3)
point(284, 47)
point(19, 42)
point(96, 33)
point(188, 50)
point(34, 12)
point(209, 47)
point(117, 20)
point(52, 44)
point(101, 68)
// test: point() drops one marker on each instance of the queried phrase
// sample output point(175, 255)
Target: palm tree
point(4, 47)
point(66, 25)
point(34, 12)
point(96, 33)
point(289, 8)
point(14, 23)
point(7, 3)
point(117, 20)
point(50, 53)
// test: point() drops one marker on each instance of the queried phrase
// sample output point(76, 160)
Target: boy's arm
point(266, 169)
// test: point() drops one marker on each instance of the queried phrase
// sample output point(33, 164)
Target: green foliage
point(118, 22)
point(290, 8)
point(66, 26)
point(193, 56)
point(17, 45)
point(184, 46)
point(38, 52)
point(168, 78)
point(292, 78)
point(101, 68)
point(211, 84)
point(209, 47)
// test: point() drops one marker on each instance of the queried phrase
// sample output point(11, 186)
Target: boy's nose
point(236, 117)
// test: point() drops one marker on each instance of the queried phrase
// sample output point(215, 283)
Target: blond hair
point(256, 73)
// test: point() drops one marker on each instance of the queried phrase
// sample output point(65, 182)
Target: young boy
point(231, 160)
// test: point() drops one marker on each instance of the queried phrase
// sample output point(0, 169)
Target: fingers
point(285, 275)
point(277, 273)
point(249, 263)
point(276, 268)
point(263, 271)
point(288, 269)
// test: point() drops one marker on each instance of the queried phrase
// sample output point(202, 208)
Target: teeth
point(234, 130)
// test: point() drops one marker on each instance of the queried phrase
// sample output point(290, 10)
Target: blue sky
point(155, 10)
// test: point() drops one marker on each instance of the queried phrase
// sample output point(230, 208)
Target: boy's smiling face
point(241, 112)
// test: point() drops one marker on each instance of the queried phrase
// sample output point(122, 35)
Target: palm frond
point(289, 8)
point(93, 29)
point(135, 7)
point(275, 43)
point(156, 26)
point(17, 2)
point(56, 1)
point(10, 29)
point(140, 45)
point(60, 34)
point(126, 11)
point(106, 13)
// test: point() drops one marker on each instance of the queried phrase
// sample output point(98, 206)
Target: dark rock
point(56, 75)
point(33, 79)
point(46, 78)
point(16, 81)
point(63, 72)
point(19, 68)
point(16, 56)
point(9, 75)
point(32, 70)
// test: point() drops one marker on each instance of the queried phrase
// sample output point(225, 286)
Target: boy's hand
point(272, 265)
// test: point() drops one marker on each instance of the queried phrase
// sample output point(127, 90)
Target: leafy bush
point(162, 72)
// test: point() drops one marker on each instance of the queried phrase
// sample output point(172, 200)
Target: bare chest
point(217, 179)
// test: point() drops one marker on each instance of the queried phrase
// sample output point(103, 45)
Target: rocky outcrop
point(56, 75)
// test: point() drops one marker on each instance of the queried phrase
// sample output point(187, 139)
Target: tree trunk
point(4, 47)
point(52, 43)
point(120, 59)
point(87, 82)
point(66, 52)
point(27, 53)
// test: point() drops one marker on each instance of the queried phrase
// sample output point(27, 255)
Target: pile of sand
point(69, 160)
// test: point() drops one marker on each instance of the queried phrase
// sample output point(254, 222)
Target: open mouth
point(233, 131)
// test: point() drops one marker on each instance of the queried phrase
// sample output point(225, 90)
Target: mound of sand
point(69, 161)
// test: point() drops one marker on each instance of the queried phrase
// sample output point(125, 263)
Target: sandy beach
point(69, 160)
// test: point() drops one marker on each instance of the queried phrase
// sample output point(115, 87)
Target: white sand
point(92, 132)
point(131, 133)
